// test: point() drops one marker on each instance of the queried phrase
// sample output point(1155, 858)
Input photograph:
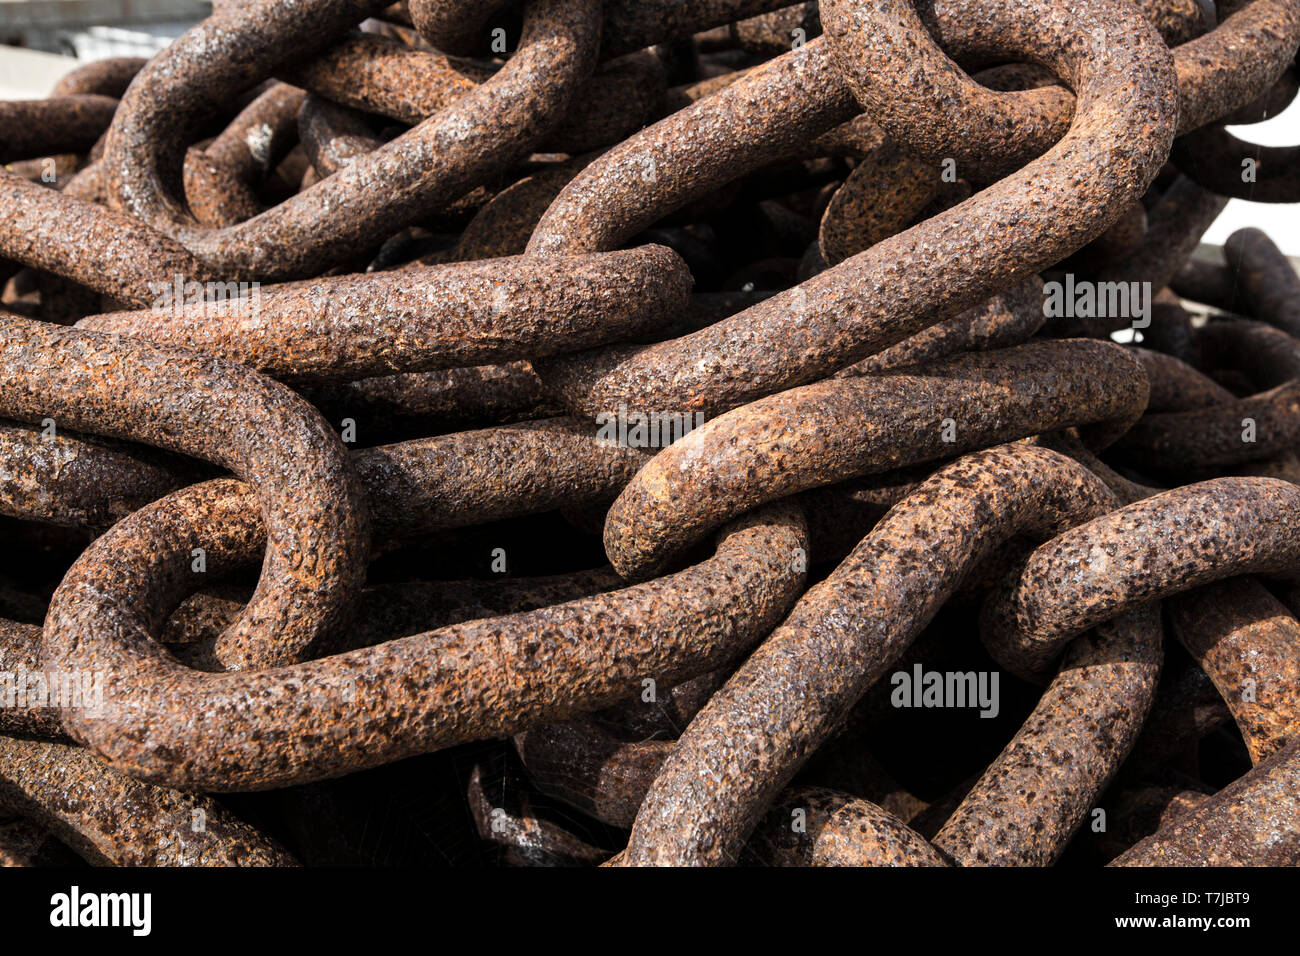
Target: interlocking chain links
point(318, 535)
point(354, 710)
point(1152, 548)
point(844, 633)
point(385, 78)
point(975, 122)
point(357, 326)
point(1005, 320)
point(843, 330)
point(767, 115)
point(221, 180)
point(611, 200)
point(381, 76)
point(481, 134)
point(780, 445)
point(607, 777)
point(907, 282)
point(1216, 158)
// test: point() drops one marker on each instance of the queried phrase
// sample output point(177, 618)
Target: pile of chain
point(653, 432)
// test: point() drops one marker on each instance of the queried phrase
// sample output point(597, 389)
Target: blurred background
point(40, 40)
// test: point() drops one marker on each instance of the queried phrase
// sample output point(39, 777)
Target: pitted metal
point(374, 376)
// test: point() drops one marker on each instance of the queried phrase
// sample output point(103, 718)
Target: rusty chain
point(681, 392)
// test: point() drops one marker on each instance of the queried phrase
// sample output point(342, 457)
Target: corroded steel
point(373, 377)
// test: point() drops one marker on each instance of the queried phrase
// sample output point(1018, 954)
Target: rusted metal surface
point(387, 79)
point(20, 651)
point(221, 180)
point(884, 193)
point(1194, 423)
point(975, 123)
point(781, 445)
point(841, 637)
point(1187, 707)
point(80, 481)
point(1269, 286)
point(839, 830)
point(592, 768)
point(1251, 822)
point(117, 255)
point(437, 160)
point(23, 843)
point(1249, 645)
point(113, 819)
point(411, 487)
point(1174, 227)
point(1005, 320)
point(405, 696)
point(1233, 167)
point(524, 839)
point(392, 407)
point(1027, 805)
point(375, 75)
point(329, 342)
point(60, 124)
point(1143, 809)
point(333, 135)
point(1141, 553)
point(108, 77)
point(224, 413)
point(361, 326)
point(753, 353)
point(1205, 426)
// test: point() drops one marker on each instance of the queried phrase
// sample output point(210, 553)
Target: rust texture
point(1249, 645)
point(782, 444)
point(451, 316)
point(361, 708)
point(1141, 553)
point(112, 819)
point(1028, 803)
point(580, 418)
point(1250, 822)
point(751, 737)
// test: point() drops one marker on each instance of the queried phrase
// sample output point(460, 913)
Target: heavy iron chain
point(332, 302)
